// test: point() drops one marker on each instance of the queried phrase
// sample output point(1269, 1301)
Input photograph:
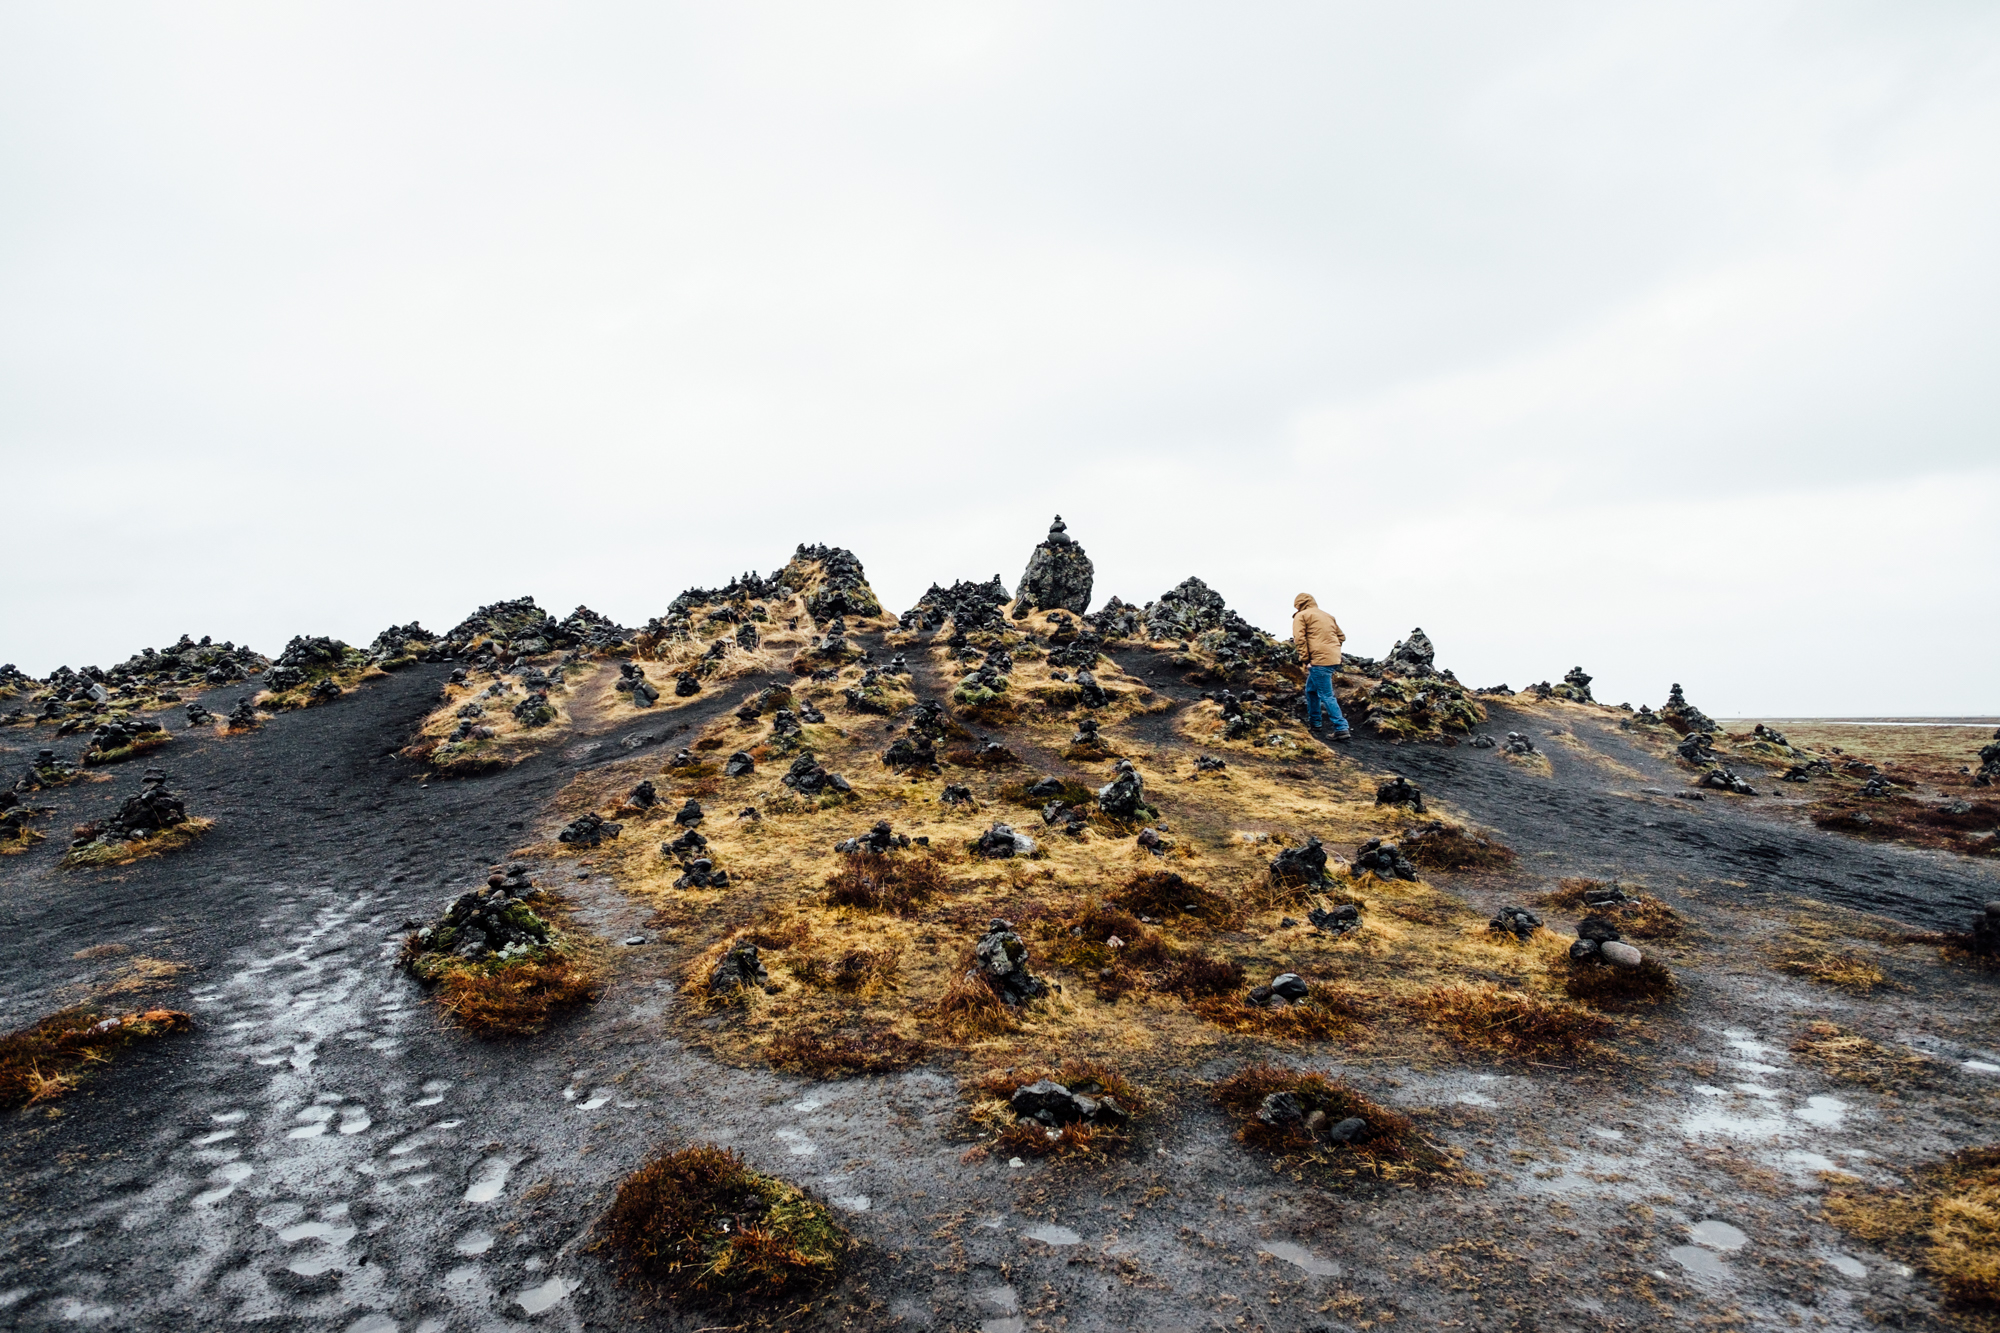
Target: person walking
point(1317, 638)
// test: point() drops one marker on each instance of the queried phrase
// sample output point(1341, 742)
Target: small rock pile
point(1299, 1112)
point(1001, 961)
point(1985, 934)
point(644, 796)
point(1989, 763)
point(1575, 687)
point(1385, 860)
point(1124, 797)
point(1697, 748)
point(956, 793)
point(243, 717)
point(1598, 942)
point(119, 734)
point(589, 830)
point(879, 840)
point(1400, 791)
point(153, 810)
point(197, 715)
point(1517, 743)
point(1722, 779)
point(1208, 764)
point(1301, 866)
point(739, 765)
point(632, 680)
point(1000, 842)
point(808, 777)
point(740, 969)
point(1053, 1105)
point(1335, 920)
point(686, 685)
point(1482, 742)
point(968, 606)
point(493, 923)
point(1516, 921)
point(1683, 716)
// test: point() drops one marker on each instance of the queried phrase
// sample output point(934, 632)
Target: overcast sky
point(1655, 338)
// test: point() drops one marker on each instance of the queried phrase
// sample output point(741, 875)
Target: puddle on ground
point(1005, 1299)
point(1615, 1135)
point(1300, 1257)
point(1476, 1099)
point(796, 1143)
point(1826, 1112)
point(1699, 1261)
point(852, 1203)
point(598, 1097)
point(231, 1175)
point(1717, 1235)
point(474, 1242)
point(537, 1299)
point(373, 1323)
point(202, 1141)
point(1847, 1265)
point(230, 1117)
point(1011, 1324)
point(1809, 1161)
point(326, 1231)
point(1048, 1233)
point(488, 1179)
point(1980, 1067)
point(1755, 1089)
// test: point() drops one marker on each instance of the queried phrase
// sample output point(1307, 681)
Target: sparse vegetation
point(990, 1093)
point(1844, 969)
point(1607, 986)
point(699, 1226)
point(1640, 917)
point(1849, 1057)
point(93, 852)
point(899, 883)
point(1946, 1221)
point(43, 1061)
point(1509, 1023)
point(843, 1053)
point(1442, 846)
point(1389, 1147)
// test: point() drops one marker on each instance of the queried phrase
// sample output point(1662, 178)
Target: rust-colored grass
point(1165, 895)
point(1509, 1023)
point(1643, 918)
point(517, 1000)
point(46, 1059)
point(844, 1054)
point(699, 1226)
point(1392, 1148)
point(1329, 1012)
point(184, 834)
point(1843, 969)
point(1442, 846)
point(897, 882)
point(1849, 1057)
point(1613, 987)
point(1946, 1220)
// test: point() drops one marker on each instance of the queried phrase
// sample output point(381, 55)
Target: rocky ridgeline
point(145, 679)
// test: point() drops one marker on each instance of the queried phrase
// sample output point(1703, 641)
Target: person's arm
point(1302, 636)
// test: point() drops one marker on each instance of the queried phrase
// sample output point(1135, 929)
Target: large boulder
point(1059, 574)
point(1002, 962)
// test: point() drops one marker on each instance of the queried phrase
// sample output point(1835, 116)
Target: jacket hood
point(1302, 601)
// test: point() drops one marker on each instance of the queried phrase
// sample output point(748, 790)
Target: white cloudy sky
point(1655, 338)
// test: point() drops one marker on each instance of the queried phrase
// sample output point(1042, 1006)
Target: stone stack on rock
point(1002, 841)
point(1124, 797)
point(1400, 791)
point(1516, 921)
point(1575, 687)
point(1059, 574)
point(632, 680)
point(589, 830)
point(1001, 961)
point(1683, 716)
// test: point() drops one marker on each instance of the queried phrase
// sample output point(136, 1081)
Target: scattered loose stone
point(880, 840)
point(740, 765)
point(1002, 841)
point(1054, 1105)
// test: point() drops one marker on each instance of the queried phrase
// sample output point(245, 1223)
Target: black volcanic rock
point(1059, 574)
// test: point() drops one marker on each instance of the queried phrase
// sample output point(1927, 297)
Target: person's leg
point(1333, 706)
point(1319, 695)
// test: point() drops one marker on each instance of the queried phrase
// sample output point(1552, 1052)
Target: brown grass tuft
point(1643, 918)
point(1848, 971)
point(184, 834)
point(1393, 1149)
point(1610, 987)
point(1849, 1057)
point(969, 1010)
point(1508, 1023)
point(863, 969)
point(700, 1226)
point(44, 1060)
point(1947, 1221)
point(898, 882)
point(1329, 1011)
point(1442, 846)
point(1163, 894)
point(844, 1054)
point(517, 1000)
point(991, 1093)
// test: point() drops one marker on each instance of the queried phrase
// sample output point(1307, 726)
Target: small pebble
point(635, 939)
point(1016, 1163)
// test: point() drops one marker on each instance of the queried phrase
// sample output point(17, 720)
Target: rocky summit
point(1012, 959)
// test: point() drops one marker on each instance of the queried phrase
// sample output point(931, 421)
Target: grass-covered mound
point(1309, 1120)
point(92, 848)
point(123, 737)
point(46, 1059)
point(698, 1226)
point(500, 967)
point(314, 670)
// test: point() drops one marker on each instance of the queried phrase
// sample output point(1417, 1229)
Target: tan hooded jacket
point(1315, 634)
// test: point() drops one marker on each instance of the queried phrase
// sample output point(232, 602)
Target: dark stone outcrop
point(1001, 961)
point(1305, 866)
point(1059, 574)
point(1683, 716)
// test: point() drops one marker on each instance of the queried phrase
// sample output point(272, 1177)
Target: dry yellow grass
point(1846, 970)
point(1849, 1057)
point(1947, 1221)
point(184, 834)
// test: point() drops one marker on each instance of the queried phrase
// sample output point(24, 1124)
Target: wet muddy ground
point(322, 1154)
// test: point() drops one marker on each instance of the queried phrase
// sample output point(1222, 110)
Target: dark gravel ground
point(320, 1154)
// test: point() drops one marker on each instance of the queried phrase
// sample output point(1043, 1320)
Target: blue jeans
point(1320, 702)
